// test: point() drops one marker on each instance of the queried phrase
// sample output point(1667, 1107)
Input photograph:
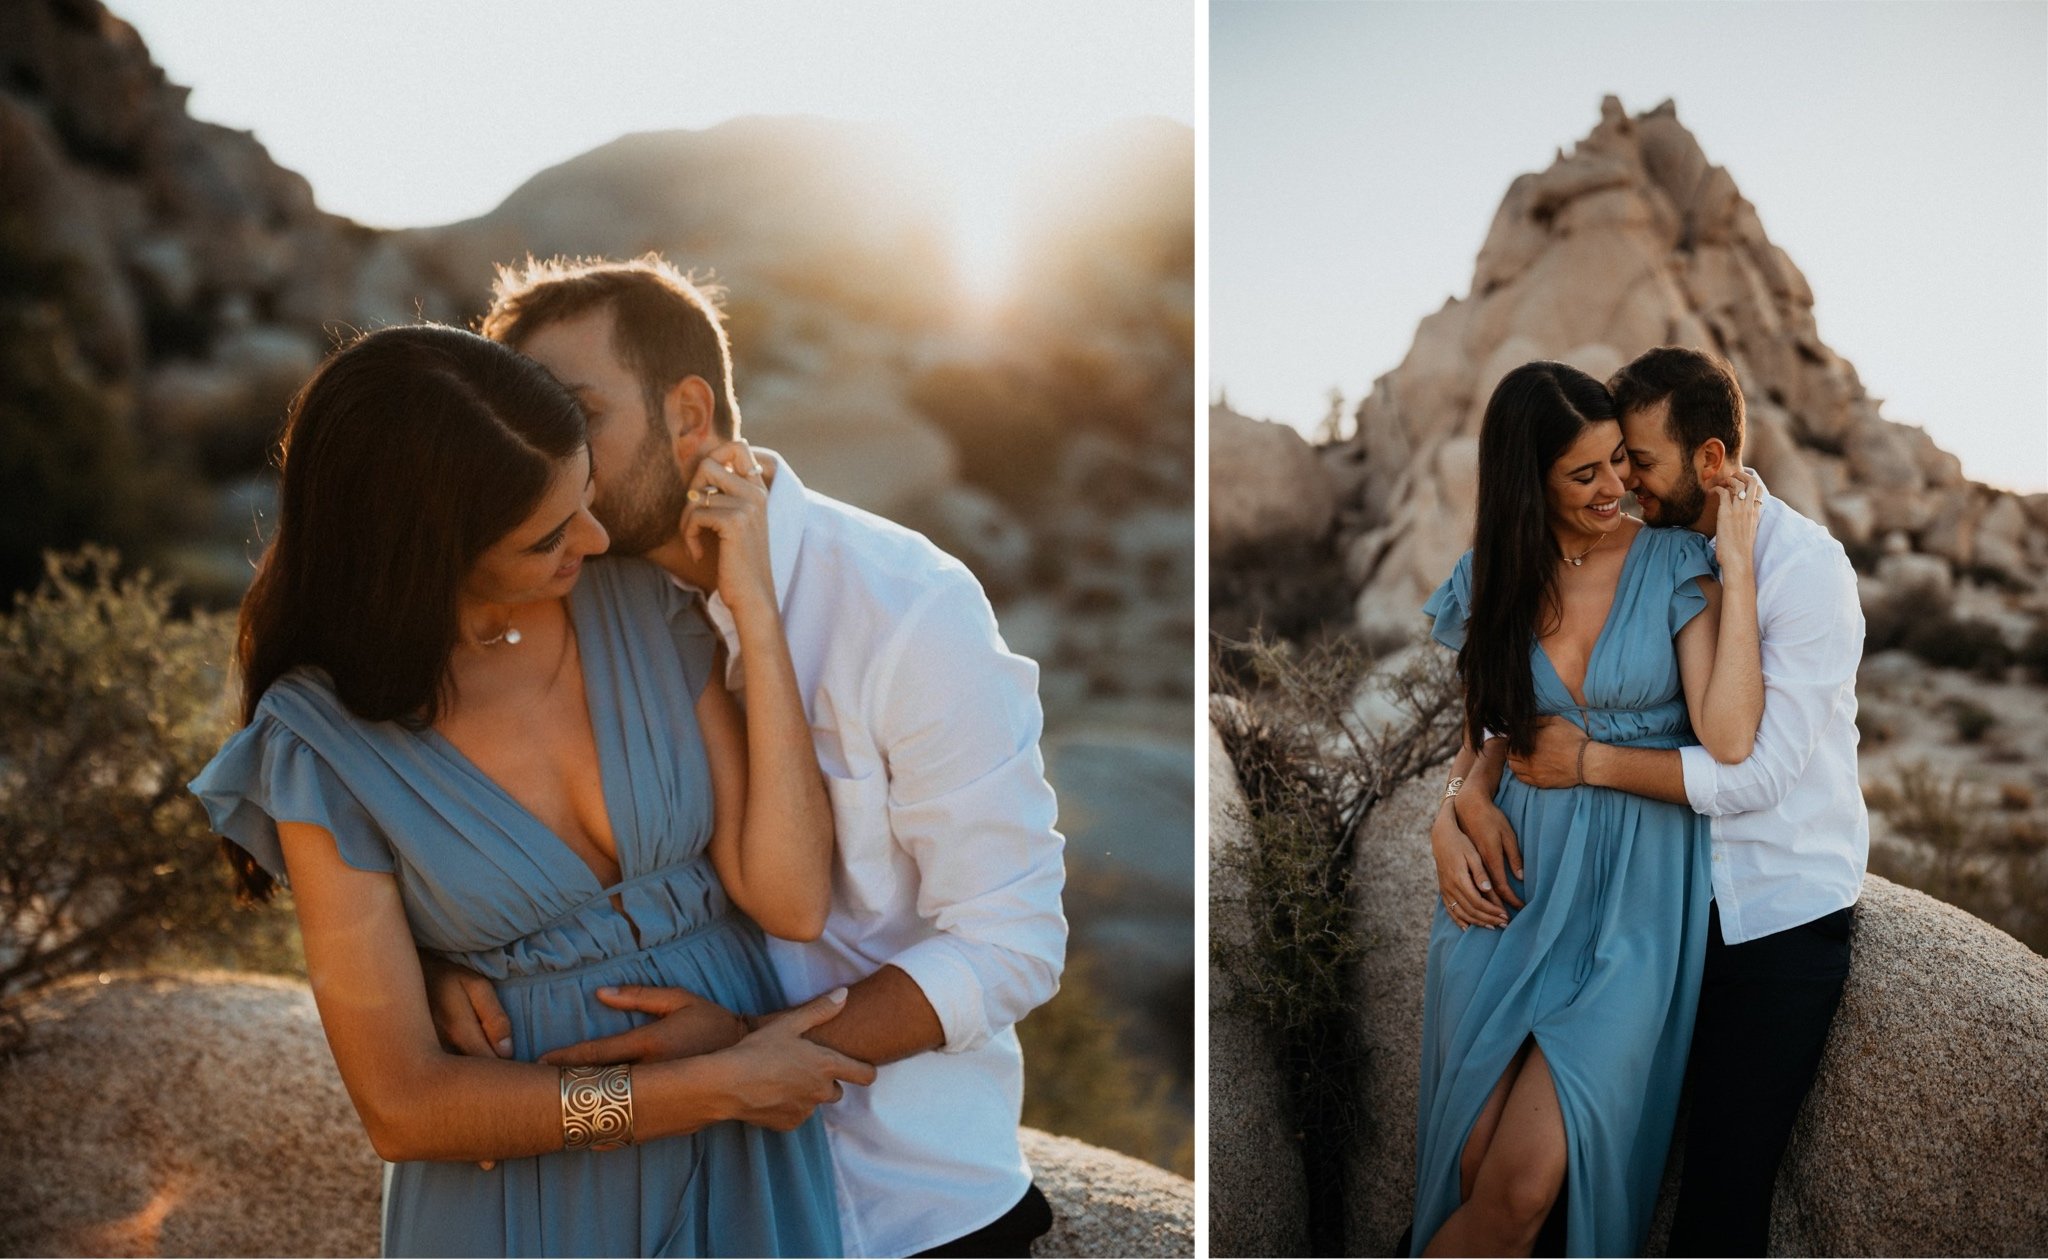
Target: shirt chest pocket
point(863, 873)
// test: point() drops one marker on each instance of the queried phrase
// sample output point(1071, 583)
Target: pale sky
point(1897, 151)
point(406, 113)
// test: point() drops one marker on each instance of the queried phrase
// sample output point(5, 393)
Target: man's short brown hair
point(1705, 400)
point(664, 325)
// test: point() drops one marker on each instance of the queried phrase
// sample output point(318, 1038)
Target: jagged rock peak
point(1634, 239)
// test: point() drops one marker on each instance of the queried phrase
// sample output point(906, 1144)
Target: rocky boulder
point(1923, 1134)
point(1633, 240)
point(1258, 1191)
point(201, 1114)
point(1266, 485)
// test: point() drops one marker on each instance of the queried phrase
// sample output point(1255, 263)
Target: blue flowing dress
point(487, 885)
point(1602, 964)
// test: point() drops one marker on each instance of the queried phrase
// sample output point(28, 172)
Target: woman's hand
point(777, 1077)
point(729, 503)
point(1461, 877)
point(1493, 838)
point(685, 1025)
point(1735, 520)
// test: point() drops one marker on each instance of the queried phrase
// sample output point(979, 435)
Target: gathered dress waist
point(657, 910)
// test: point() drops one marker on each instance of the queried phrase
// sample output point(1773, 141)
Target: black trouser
point(1010, 1234)
point(1765, 1006)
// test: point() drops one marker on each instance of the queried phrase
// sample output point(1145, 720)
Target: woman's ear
point(689, 408)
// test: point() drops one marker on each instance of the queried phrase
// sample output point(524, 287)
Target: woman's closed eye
point(552, 542)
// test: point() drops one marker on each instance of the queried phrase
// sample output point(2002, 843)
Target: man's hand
point(1461, 877)
point(467, 1015)
point(1493, 836)
point(687, 1025)
point(1555, 760)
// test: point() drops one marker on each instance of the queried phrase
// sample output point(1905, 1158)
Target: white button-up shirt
point(1790, 834)
point(947, 864)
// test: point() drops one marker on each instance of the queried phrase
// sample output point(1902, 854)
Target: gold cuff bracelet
point(597, 1107)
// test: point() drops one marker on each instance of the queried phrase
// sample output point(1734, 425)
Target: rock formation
point(1923, 1135)
point(187, 284)
point(202, 1115)
point(1258, 1192)
point(1634, 240)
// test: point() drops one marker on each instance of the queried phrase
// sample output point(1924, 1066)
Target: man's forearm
point(1657, 773)
point(887, 1017)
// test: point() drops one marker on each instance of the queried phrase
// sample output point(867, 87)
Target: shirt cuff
point(1702, 776)
point(954, 990)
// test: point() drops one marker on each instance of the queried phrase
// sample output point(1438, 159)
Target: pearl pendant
point(1578, 562)
point(511, 635)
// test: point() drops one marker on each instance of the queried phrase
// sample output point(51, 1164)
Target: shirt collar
point(786, 499)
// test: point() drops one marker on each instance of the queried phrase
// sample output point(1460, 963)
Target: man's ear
point(689, 408)
point(1710, 461)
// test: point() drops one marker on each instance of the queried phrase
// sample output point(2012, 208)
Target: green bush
point(1973, 721)
point(1311, 768)
point(1913, 621)
point(1082, 1081)
point(1963, 852)
point(108, 705)
point(2033, 654)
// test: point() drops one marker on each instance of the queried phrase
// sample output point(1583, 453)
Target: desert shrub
point(108, 705)
point(1312, 765)
point(1874, 729)
point(1960, 851)
point(1886, 621)
point(1082, 1080)
point(1864, 556)
point(1973, 721)
point(1296, 591)
point(1969, 644)
point(1915, 621)
point(2033, 652)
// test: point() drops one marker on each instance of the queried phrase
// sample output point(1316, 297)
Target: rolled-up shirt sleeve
point(959, 723)
point(1812, 641)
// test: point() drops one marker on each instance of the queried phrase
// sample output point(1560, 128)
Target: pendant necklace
point(1578, 561)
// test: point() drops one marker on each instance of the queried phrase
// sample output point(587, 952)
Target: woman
point(1554, 1047)
point(451, 744)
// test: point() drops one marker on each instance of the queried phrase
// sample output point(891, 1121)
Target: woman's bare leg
point(1519, 1176)
point(1483, 1128)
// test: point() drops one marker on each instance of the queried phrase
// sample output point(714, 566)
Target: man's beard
point(1681, 507)
point(642, 507)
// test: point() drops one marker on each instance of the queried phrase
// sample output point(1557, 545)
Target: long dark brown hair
point(408, 453)
point(1536, 411)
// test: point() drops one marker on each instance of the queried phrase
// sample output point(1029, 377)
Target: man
point(1789, 833)
point(946, 923)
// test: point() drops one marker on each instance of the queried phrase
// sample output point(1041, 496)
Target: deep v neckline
point(605, 756)
point(1620, 579)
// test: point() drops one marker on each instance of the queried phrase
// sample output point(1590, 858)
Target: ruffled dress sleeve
point(1689, 557)
point(267, 773)
point(1451, 607)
